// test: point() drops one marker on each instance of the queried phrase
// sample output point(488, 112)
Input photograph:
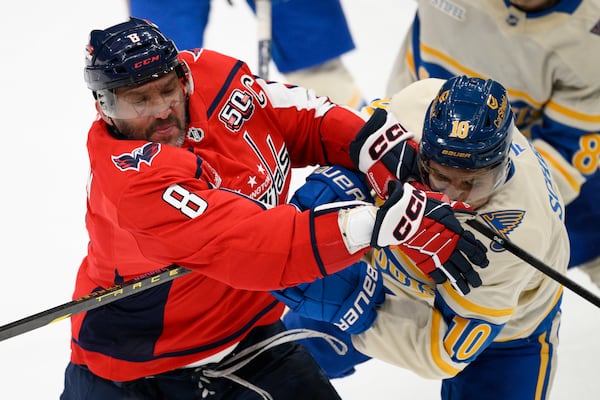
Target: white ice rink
point(45, 114)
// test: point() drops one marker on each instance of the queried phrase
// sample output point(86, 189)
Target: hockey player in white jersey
point(546, 53)
point(498, 341)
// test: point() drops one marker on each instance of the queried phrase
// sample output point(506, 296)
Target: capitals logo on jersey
point(275, 173)
point(133, 160)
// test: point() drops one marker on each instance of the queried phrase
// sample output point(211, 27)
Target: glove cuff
point(356, 225)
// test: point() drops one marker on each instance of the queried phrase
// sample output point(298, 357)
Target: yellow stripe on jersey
point(404, 272)
point(512, 93)
point(544, 351)
point(518, 94)
point(448, 60)
point(557, 165)
point(534, 324)
point(436, 353)
point(467, 305)
point(410, 60)
point(572, 113)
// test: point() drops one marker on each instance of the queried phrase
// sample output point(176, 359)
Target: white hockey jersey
point(438, 342)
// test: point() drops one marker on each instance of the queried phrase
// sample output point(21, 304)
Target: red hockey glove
point(384, 151)
point(424, 227)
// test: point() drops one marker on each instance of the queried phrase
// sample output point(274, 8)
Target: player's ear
point(106, 119)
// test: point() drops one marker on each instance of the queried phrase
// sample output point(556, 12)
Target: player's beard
point(132, 130)
point(172, 120)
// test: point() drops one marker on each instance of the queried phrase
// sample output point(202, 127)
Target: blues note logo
point(503, 222)
point(133, 160)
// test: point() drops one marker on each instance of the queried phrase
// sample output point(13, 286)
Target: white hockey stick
point(263, 17)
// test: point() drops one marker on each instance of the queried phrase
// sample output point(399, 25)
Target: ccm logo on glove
point(384, 151)
point(365, 296)
point(414, 209)
point(400, 217)
point(381, 143)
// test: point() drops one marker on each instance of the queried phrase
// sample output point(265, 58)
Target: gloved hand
point(425, 228)
point(346, 299)
point(331, 184)
point(384, 151)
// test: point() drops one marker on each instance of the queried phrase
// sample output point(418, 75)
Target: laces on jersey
point(227, 368)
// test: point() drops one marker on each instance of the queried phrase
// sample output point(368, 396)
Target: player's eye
point(136, 100)
point(467, 185)
point(172, 87)
point(439, 177)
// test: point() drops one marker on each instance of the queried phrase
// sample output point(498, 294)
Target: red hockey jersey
point(217, 206)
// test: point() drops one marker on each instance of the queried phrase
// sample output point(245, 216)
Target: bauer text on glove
point(347, 299)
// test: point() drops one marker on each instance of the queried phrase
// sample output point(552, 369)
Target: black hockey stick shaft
point(263, 18)
point(534, 262)
point(92, 301)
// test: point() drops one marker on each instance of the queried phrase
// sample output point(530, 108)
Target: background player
point(543, 52)
point(308, 39)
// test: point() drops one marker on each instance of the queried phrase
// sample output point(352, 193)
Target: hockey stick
point(92, 301)
point(534, 262)
point(263, 18)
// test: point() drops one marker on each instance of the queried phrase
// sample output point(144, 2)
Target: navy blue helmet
point(127, 54)
point(468, 125)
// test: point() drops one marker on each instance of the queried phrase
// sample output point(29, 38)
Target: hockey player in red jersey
point(190, 165)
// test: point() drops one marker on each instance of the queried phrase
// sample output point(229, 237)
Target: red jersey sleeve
point(168, 210)
point(228, 236)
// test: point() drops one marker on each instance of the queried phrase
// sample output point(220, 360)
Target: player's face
point(474, 187)
point(154, 111)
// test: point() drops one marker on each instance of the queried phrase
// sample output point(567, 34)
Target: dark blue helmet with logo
point(128, 54)
point(468, 125)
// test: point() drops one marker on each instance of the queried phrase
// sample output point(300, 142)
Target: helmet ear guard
point(183, 73)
